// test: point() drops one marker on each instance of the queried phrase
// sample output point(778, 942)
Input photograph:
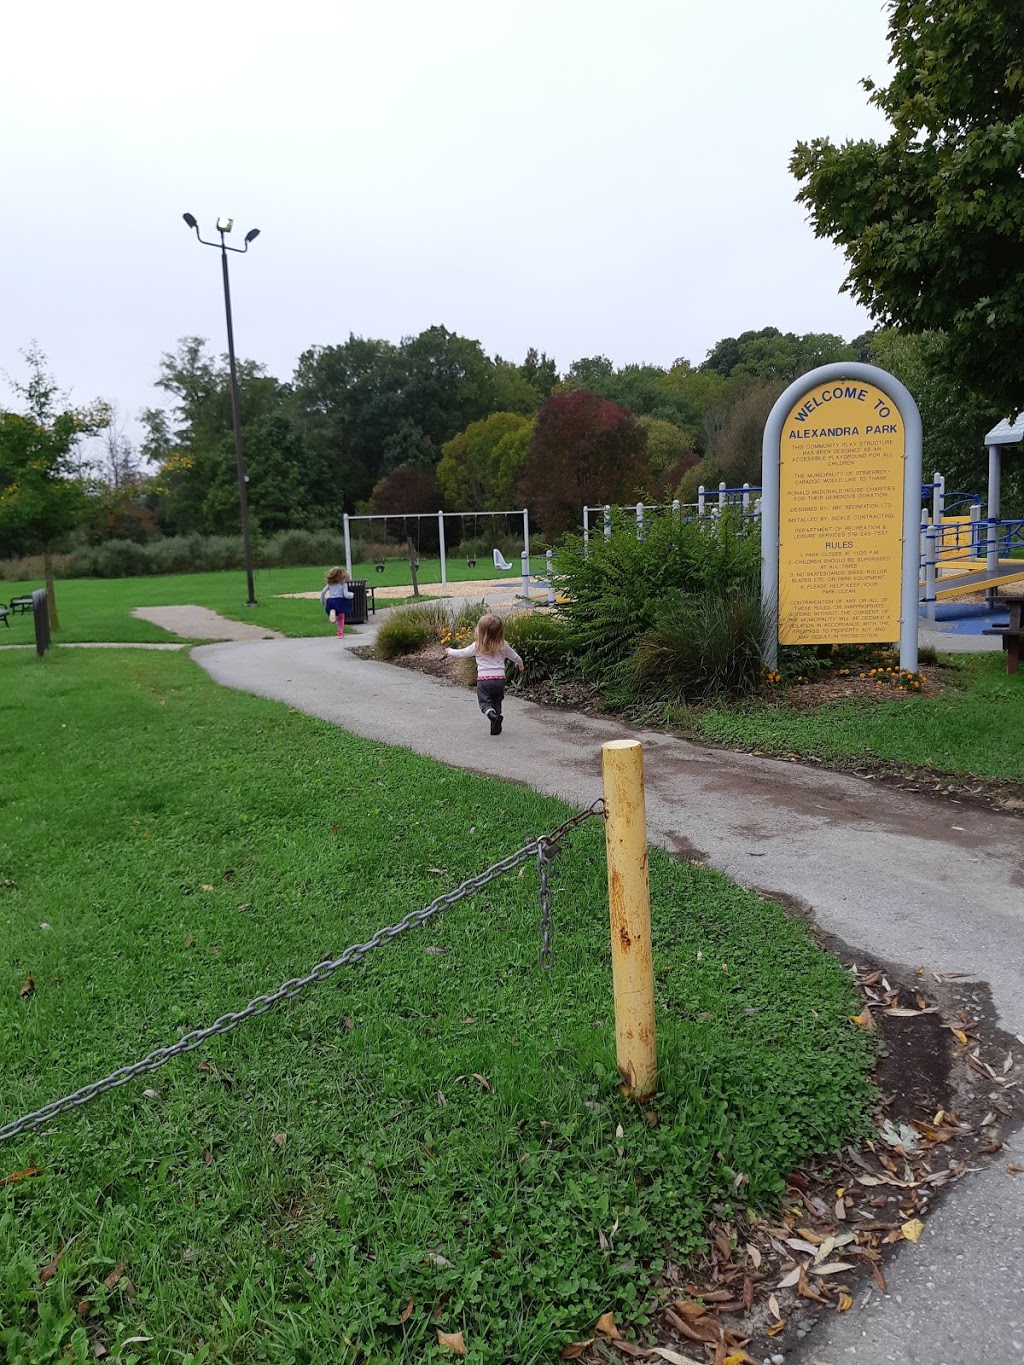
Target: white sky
point(583, 176)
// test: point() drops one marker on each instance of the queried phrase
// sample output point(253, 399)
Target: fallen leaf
point(432, 948)
point(348, 1022)
point(845, 1302)
point(452, 1341)
point(20, 1175)
point(773, 1304)
point(833, 1268)
point(798, 1244)
point(754, 1254)
point(606, 1326)
point(840, 1209)
point(207, 886)
point(674, 1358)
point(280, 1139)
point(114, 1276)
point(441, 1101)
point(575, 1349)
point(151, 1094)
point(131, 1341)
point(787, 1282)
point(912, 1230)
point(48, 1271)
point(28, 988)
point(406, 1312)
point(689, 1309)
point(902, 1012)
point(775, 1329)
point(207, 1156)
point(438, 871)
point(1014, 1169)
point(484, 1084)
point(98, 1350)
point(435, 1258)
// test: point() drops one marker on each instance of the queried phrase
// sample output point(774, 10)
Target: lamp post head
point(190, 221)
point(225, 224)
point(251, 235)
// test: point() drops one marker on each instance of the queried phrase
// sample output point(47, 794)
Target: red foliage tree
point(406, 490)
point(585, 450)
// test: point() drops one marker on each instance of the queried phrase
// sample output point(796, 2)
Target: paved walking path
point(910, 880)
point(200, 623)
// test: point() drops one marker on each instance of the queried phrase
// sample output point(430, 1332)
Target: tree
point(739, 449)
point(931, 220)
point(42, 497)
point(670, 450)
point(770, 355)
point(480, 468)
point(585, 450)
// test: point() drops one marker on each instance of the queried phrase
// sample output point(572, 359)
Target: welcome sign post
point(841, 512)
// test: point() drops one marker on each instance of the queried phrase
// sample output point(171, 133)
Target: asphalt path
point(907, 879)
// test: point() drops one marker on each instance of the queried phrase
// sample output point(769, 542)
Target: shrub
point(617, 590)
point(406, 630)
point(305, 547)
point(543, 640)
point(704, 645)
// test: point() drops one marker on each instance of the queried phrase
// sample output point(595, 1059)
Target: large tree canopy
point(932, 221)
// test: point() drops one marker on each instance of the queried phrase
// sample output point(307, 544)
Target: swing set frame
point(431, 516)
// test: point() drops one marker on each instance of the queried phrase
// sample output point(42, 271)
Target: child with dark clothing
point(491, 650)
point(337, 599)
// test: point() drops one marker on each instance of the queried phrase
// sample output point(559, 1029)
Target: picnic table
point(1011, 630)
point(21, 604)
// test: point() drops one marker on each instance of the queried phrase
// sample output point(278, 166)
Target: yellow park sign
point(840, 511)
point(840, 517)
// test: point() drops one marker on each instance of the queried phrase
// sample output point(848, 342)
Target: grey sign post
point(770, 461)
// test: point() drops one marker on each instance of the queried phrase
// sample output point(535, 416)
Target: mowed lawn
point(433, 1140)
point(99, 609)
point(974, 726)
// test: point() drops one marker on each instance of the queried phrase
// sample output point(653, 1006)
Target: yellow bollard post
point(630, 907)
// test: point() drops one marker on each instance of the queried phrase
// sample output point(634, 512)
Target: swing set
point(439, 517)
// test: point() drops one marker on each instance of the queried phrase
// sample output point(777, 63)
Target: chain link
point(289, 989)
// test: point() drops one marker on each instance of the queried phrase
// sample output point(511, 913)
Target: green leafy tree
point(770, 355)
point(42, 496)
point(932, 220)
point(954, 421)
point(480, 467)
point(670, 450)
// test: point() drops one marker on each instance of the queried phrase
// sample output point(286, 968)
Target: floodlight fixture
point(251, 235)
point(190, 221)
point(225, 224)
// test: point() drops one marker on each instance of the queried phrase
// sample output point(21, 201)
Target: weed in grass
point(213, 844)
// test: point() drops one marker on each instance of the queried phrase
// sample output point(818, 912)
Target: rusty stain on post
point(630, 909)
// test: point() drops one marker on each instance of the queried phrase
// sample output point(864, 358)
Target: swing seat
point(500, 562)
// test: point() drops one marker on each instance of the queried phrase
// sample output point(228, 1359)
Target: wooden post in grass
point(630, 909)
point(412, 566)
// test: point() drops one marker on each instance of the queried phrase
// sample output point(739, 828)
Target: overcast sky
point(583, 176)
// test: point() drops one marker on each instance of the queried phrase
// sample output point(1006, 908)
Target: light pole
point(224, 226)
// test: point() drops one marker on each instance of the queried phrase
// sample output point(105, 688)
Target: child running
point(491, 650)
point(337, 598)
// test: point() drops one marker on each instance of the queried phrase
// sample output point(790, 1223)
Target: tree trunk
point(51, 596)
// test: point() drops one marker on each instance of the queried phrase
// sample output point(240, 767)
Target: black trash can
point(358, 614)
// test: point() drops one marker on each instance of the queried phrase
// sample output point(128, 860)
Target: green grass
point(171, 849)
point(100, 608)
point(975, 726)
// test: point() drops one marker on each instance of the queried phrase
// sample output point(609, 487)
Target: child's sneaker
point(332, 616)
point(495, 720)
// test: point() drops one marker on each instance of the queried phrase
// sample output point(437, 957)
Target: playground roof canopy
point(1007, 433)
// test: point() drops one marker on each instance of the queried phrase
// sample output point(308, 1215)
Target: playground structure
point(962, 555)
point(439, 518)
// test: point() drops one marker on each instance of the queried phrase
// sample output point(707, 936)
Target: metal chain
point(288, 989)
point(545, 854)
